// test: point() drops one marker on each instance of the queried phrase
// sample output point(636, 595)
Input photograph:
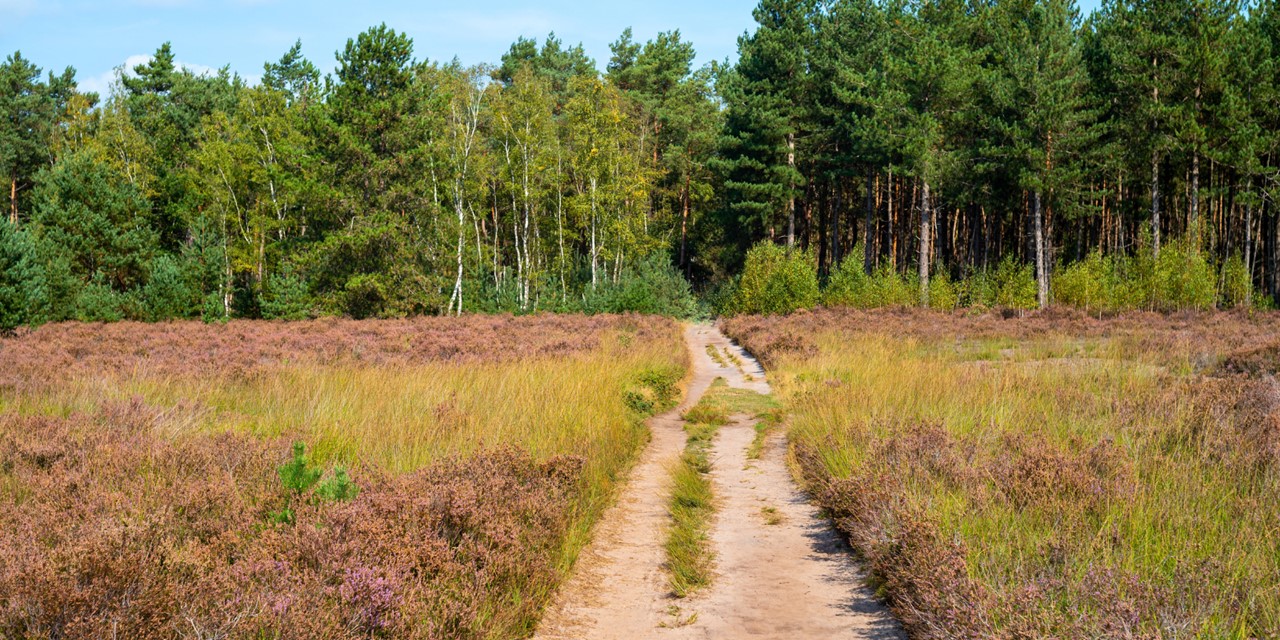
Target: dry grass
point(1050, 476)
point(484, 447)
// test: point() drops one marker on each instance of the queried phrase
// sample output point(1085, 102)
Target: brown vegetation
point(1049, 476)
point(159, 515)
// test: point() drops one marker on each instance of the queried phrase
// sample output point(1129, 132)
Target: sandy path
point(791, 579)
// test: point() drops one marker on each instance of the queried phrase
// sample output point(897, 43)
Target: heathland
point(418, 478)
point(1056, 475)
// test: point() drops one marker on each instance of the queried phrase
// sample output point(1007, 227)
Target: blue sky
point(95, 36)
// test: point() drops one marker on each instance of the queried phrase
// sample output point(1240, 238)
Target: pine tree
point(767, 95)
point(293, 75)
point(1044, 119)
point(931, 73)
point(30, 111)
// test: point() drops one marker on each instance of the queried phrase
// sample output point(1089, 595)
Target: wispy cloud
point(101, 83)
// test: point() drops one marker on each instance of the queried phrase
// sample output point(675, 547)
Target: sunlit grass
point(690, 559)
point(398, 418)
point(1194, 527)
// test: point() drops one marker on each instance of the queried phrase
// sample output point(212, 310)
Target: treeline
point(941, 152)
point(1132, 153)
point(391, 187)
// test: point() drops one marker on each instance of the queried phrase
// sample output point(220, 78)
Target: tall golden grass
point(382, 416)
point(1004, 478)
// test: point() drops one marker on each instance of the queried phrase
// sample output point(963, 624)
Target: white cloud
point(101, 83)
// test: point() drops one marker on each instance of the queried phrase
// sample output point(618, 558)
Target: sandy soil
point(781, 570)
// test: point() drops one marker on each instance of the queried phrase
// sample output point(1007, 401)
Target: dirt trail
point(781, 573)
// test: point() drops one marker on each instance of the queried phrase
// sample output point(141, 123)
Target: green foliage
point(1011, 285)
point(31, 114)
point(285, 297)
point(944, 293)
point(1096, 283)
point(651, 286)
point(766, 94)
point(299, 478)
point(398, 186)
point(297, 475)
point(850, 286)
point(1236, 290)
point(95, 218)
point(847, 285)
point(776, 280)
point(369, 270)
point(653, 390)
point(97, 301)
point(1183, 279)
point(337, 488)
point(167, 293)
point(16, 278)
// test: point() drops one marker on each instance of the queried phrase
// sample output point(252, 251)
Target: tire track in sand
point(781, 570)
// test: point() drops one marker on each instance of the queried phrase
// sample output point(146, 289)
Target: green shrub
point(719, 298)
point(653, 390)
point(1093, 284)
point(653, 285)
point(847, 285)
point(888, 288)
point(285, 296)
point(17, 278)
point(1010, 285)
point(1183, 279)
point(337, 488)
point(167, 293)
point(944, 293)
point(299, 477)
point(851, 286)
point(776, 280)
point(1236, 290)
point(98, 302)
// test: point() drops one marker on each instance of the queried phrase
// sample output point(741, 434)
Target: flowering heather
point(241, 348)
point(1197, 337)
point(140, 495)
point(107, 528)
point(1054, 475)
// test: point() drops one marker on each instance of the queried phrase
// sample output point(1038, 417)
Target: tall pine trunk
point(13, 201)
point(791, 191)
point(1155, 203)
point(867, 252)
point(926, 211)
point(1193, 225)
point(1042, 273)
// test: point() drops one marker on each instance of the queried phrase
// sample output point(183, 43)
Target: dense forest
point(940, 152)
